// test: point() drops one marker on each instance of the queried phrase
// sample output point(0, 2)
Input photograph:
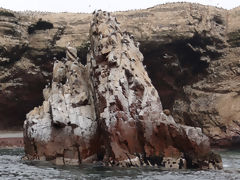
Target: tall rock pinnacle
point(109, 111)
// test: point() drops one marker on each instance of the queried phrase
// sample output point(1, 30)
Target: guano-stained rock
point(199, 86)
point(65, 126)
point(109, 111)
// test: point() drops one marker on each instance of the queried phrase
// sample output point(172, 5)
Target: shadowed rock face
point(191, 53)
point(109, 111)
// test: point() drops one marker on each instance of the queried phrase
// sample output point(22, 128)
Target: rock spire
point(109, 111)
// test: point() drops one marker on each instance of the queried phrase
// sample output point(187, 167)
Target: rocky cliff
point(109, 111)
point(191, 53)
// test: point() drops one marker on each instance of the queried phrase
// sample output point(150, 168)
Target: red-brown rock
point(109, 111)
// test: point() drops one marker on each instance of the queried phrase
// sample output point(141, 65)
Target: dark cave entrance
point(174, 65)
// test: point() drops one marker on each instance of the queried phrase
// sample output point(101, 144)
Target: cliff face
point(109, 111)
point(190, 52)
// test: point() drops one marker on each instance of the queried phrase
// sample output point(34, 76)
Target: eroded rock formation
point(109, 111)
point(64, 128)
point(191, 53)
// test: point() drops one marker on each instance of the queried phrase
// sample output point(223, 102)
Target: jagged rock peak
point(106, 34)
point(130, 112)
point(65, 125)
point(109, 111)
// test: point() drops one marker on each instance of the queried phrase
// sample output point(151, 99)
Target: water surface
point(12, 167)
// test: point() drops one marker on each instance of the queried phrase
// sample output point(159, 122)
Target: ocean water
point(13, 168)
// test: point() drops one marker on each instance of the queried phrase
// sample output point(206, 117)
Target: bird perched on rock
point(71, 52)
point(125, 41)
point(131, 36)
point(116, 20)
point(137, 44)
point(167, 112)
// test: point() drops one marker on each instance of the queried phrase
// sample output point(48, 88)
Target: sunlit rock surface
point(109, 111)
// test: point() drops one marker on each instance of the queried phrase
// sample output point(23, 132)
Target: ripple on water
point(12, 167)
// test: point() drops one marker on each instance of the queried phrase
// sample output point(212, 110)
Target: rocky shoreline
point(11, 139)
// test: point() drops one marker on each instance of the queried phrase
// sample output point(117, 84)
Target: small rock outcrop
point(109, 111)
point(64, 127)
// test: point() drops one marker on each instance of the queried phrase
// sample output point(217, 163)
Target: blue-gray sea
point(12, 167)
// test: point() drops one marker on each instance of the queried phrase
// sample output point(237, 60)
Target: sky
point(108, 5)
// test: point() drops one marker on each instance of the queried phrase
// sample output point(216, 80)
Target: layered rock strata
point(109, 111)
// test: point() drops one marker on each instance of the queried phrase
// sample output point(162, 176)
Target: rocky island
point(108, 110)
point(191, 55)
point(199, 86)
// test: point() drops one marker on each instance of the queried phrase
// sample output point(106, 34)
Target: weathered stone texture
point(65, 125)
point(191, 53)
point(109, 111)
